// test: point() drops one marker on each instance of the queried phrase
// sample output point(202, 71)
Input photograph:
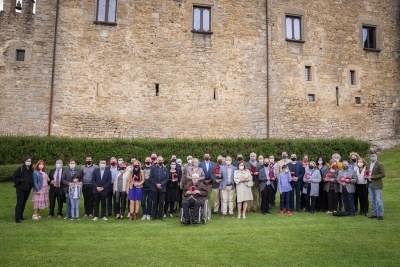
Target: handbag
point(249, 184)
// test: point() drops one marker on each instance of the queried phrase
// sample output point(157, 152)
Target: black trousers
point(362, 192)
point(158, 204)
point(333, 200)
point(22, 197)
point(169, 204)
point(87, 190)
point(119, 203)
point(187, 204)
point(307, 200)
point(322, 202)
point(59, 195)
point(98, 197)
point(266, 196)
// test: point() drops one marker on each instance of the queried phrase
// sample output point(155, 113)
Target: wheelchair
point(204, 212)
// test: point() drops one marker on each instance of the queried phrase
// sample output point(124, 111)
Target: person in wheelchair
point(194, 195)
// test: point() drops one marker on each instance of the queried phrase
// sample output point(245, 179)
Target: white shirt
point(229, 170)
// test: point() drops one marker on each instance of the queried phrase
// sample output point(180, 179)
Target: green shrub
point(6, 172)
point(14, 149)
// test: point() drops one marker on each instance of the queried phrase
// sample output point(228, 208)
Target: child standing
point(285, 188)
point(75, 192)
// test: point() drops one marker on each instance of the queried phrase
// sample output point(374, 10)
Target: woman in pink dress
point(40, 189)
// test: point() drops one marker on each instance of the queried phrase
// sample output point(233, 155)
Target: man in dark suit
point(101, 182)
point(56, 191)
point(297, 183)
point(375, 185)
point(66, 180)
point(207, 165)
point(266, 177)
point(157, 181)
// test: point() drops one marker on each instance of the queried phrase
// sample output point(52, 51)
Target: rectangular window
point(157, 89)
point(311, 98)
point(293, 28)
point(202, 18)
point(20, 55)
point(369, 37)
point(106, 10)
point(307, 73)
point(358, 100)
point(352, 77)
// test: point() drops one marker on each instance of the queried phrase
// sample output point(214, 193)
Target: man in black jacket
point(56, 191)
point(157, 181)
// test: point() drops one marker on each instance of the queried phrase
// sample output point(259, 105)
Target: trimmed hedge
point(6, 172)
point(14, 149)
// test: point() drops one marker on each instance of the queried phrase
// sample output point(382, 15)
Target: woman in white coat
point(311, 180)
point(119, 190)
point(241, 177)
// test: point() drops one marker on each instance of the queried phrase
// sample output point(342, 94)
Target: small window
point(157, 89)
point(293, 28)
point(18, 6)
point(307, 73)
point(106, 10)
point(358, 100)
point(369, 37)
point(202, 19)
point(352, 77)
point(311, 98)
point(20, 55)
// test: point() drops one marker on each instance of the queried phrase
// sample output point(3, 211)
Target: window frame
point(369, 28)
point(292, 18)
point(311, 98)
point(352, 78)
point(18, 52)
point(202, 8)
point(106, 18)
point(307, 69)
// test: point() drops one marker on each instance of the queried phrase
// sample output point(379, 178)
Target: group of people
point(160, 188)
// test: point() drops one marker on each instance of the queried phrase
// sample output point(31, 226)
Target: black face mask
point(311, 167)
point(89, 162)
point(206, 158)
point(160, 163)
point(266, 164)
point(354, 160)
point(220, 161)
point(239, 158)
point(293, 159)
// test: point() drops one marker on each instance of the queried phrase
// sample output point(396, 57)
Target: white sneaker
point(144, 217)
point(165, 215)
point(72, 218)
point(104, 218)
point(95, 219)
point(129, 214)
point(170, 215)
point(148, 217)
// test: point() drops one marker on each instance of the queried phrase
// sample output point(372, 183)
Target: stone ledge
point(203, 32)
point(295, 41)
point(372, 50)
point(105, 23)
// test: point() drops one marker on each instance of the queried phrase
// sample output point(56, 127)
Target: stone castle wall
point(210, 85)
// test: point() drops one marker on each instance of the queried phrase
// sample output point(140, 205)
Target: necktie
point(58, 178)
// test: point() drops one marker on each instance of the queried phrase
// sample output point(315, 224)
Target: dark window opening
point(369, 37)
point(202, 18)
point(293, 28)
point(106, 10)
point(337, 95)
point(311, 98)
point(358, 100)
point(20, 55)
point(215, 94)
point(18, 6)
point(157, 89)
point(308, 73)
point(352, 77)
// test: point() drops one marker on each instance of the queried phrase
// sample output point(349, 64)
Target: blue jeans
point(68, 205)
point(295, 186)
point(146, 205)
point(285, 199)
point(75, 207)
point(348, 201)
point(376, 200)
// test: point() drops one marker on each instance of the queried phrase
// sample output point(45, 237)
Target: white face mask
point(120, 162)
point(253, 159)
point(58, 166)
point(360, 164)
point(261, 161)
point(190, 161)
point(272, 160)
point(28, 163)
point(286, 170)
point(72, 166)
point(228, 162)
point(75, 180)
point(241, 167)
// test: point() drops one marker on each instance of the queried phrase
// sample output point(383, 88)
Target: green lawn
point(272, 240)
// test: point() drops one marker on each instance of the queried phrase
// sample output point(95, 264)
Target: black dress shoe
point(184, 222)
point(268, 212)
point(263, 213)
point(380, 218)
point(195, 222)
point(373, 217)
point(22, 219)
point(17, 220)
point(312, 212)
point(215, 212)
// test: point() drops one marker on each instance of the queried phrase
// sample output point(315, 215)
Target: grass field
point(301, 239)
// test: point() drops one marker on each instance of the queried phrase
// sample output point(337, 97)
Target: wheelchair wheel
point(181, 214)
point(206, 212)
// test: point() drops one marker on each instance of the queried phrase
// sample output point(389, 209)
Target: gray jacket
point(351, 188)
point(263, 178)
point(316, 179)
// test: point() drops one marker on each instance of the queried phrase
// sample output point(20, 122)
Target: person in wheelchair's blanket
point(194, 195)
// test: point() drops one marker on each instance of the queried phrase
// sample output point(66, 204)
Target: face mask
point(253, 159)
point(190, 161)
point(28, 163)
point(286, 170)
point(284, 156)
point(153, 158)
point(160, 163)
point(293, 159)
point(333, 166)
point(58, 166)
point(320, 162)
point(196, 164)
point(311, 167)
point(266, 164)
point(89, 162)
point(72, 166)
point(261, 161)
point(75, 180)
point(173, 167)
point(353, 160)
point(240, 158)
point(206, 158)
point(135, 166)
point(102, 166)
point(113, 163)
point(241, 167)
point(373, 159)
point(173, 158)
point(147, 162)
point(272, 160)
point(228, 162)
point(360, 164)
point(345, 167)
point(120, 162)
point(220, 161)
point(41, 166)
point(122, 168)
